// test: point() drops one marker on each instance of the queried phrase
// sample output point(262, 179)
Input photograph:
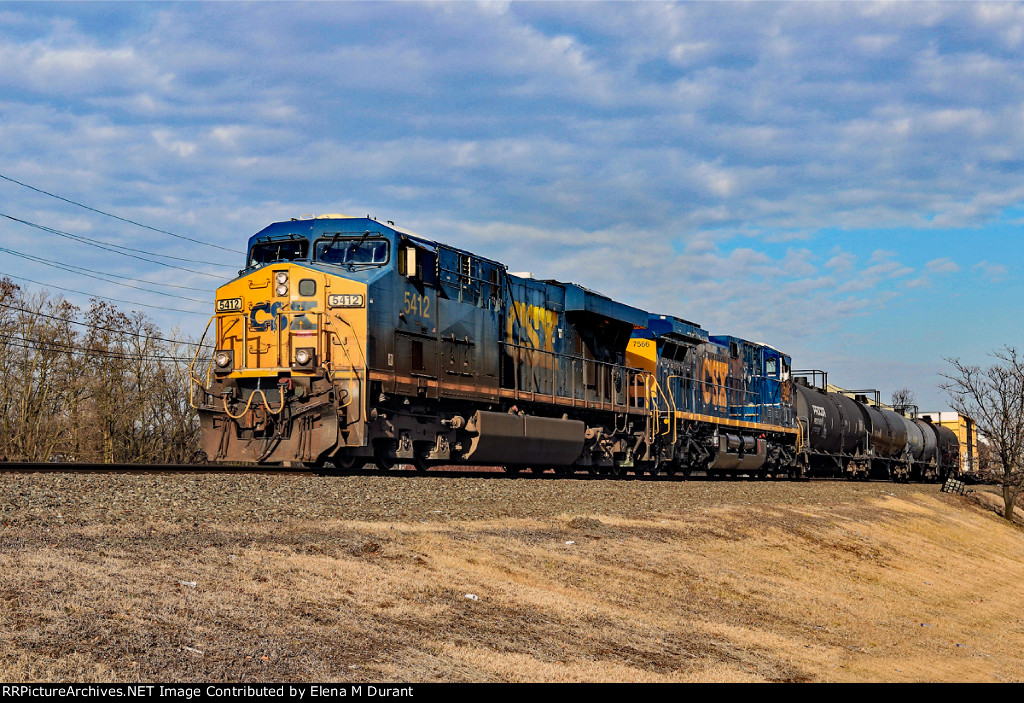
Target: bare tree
point(903, 398)
point(994, 398)
point(93, 385)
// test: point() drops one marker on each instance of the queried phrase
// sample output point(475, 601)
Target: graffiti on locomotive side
point(537, 327)
point(716, 373)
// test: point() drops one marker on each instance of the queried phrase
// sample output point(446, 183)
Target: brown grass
point(916, 587)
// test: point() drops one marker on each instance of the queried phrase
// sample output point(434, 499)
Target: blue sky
point(844, 181)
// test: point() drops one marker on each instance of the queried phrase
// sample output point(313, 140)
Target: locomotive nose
point(289, 366)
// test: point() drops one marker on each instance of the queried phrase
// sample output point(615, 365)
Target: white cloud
point(989, 270)
point(943, 265)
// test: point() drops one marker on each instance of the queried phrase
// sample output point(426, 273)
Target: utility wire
point(124, 251)
point(64, 347)
point(68, 266)
point(36, 313)
point(100, 277)
point(116, 217)
point(92, 295)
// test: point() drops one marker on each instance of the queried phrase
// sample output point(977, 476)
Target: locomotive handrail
point(670, 405)
point(618, 398)
point(344, 348)
point(730, 410)
point(191, 368)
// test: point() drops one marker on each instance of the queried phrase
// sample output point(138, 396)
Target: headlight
point(282, 290)
point(223, 359)
point(282, 276)
point(305, 357)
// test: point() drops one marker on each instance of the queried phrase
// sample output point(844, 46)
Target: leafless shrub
point(97, 385)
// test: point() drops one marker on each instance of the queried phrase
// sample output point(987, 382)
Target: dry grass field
point(165, 578)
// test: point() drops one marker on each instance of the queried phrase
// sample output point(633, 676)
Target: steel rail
point(26, 467)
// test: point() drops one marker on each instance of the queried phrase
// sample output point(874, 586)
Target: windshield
point(352, 250)
point(284, 250)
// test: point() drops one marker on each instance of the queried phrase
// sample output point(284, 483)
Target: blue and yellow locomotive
point(346, 340)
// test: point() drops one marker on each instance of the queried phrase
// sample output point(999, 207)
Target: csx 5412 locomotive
point(349, 341)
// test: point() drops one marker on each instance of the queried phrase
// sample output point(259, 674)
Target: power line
point(123, 251)
point(100, 277)
point(36, 313)
point(50, 262)
point(116, 217)
point(92, 295)
point(64, 347)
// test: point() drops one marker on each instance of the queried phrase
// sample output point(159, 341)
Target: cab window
point(283, 250)
point(351, 251)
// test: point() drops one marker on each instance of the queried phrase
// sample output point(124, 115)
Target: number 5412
point(417, 304)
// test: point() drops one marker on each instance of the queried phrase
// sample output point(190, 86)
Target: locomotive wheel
point(420, 464)
point(381, 454)
point(349, 462)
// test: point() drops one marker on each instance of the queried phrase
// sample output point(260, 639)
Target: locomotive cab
point(288, 376)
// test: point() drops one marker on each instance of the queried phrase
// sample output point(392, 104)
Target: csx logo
point(267, 316)
point(270, 310)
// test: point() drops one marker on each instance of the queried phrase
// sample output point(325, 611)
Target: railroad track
point(51, 467)
point(441, 471)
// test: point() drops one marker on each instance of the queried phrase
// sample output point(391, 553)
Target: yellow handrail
point(191, 368)
point(654, 396)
